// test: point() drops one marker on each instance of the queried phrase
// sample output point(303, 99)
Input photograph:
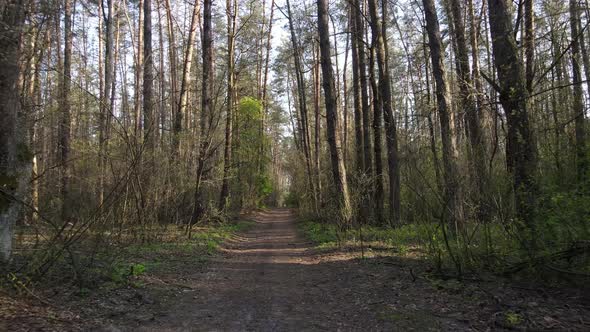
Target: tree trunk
point(452, 197)
point(469, 102)
point(529, 44)
point(317, 123)
point(148, 78)
point(265, 82)
point(302, 106)
point(520, 151)
point(578, 106)
point(65, 119)
point(232, 7)
point(13, 146)
point(206, 110)
point(380, 42)
point(186, 71)
point(338, 168)
point(377, 140)
point(139, 70)
point(105, 103)
point(356, 87)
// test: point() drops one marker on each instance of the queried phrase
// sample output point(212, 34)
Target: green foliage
point(512, 318)
point(319, 233)
point(253, 178)
point(292, 199)
point(564, 217)
point(250, 109)
point(329, 235)
point(121, 273)
point(137, 269)
point(204, 242)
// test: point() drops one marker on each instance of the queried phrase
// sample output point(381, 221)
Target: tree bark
point(231, 12)
point(356, 87)
point(338, 168)
point(14, 153)
point(452, 197)
point(148, 78)
point(105, 103)
point(186, 71)
point(578, 105)
point(520, 151)
point(64, 133)
point(265, 81)
point(380, 43)
point(469, 102)
point(317, 123)
point(139, 71)
point(206, 110)
point(377, 140)
point(529, 43)
point(305, 140)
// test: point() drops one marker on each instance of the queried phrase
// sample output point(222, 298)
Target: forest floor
point(269, 278)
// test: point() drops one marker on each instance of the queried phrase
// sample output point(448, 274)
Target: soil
point(271, 279)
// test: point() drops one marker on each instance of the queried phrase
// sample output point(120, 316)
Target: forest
point(264, 165)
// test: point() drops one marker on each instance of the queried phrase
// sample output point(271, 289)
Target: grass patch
point(329, 236)
point(177, 252)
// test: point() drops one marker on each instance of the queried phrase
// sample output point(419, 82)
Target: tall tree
point(356, 87)
point(338, 168)
point(186, 71)
point(377, 139)
point(13, 145)
point(468, 94)
point(520, 150)
point(578, 106)
point(64, 141)
point(148, 78)
point(139, 65)
point(305, 140)
point(380, 44)
point(106, 101)
point(268, 47)
point(361, 105)
point(231, 12)
point(529, 43)
point(206, 110)
point(452, 189)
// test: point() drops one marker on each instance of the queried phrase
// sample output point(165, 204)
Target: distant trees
point(253, 182)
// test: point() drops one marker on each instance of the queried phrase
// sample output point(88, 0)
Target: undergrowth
point(489, 247)
point(160, 256)
point(125, 265)
point(326, 236)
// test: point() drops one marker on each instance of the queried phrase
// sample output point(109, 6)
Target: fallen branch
point(576, 250)
point(564, 271)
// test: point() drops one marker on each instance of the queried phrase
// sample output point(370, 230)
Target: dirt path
point(270, 279)
point(267, 280)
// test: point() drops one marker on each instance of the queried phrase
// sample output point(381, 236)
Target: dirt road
point(270, 279)
point(267, 280)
